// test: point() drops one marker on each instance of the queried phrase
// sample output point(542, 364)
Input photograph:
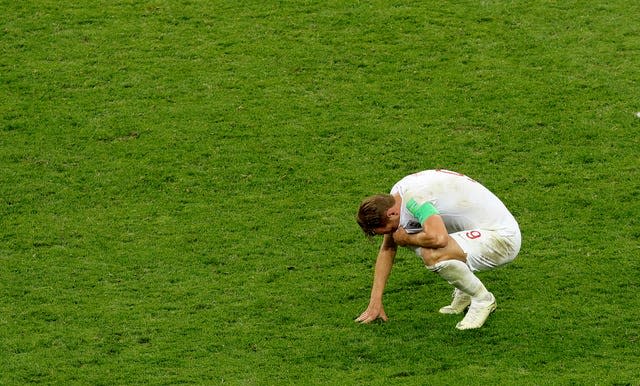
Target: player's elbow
point(434, 240)
point(440, 241)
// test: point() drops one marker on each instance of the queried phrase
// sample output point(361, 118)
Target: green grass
point(178, 185)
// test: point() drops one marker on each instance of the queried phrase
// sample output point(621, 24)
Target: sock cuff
point(444, 264)
point(435, 268)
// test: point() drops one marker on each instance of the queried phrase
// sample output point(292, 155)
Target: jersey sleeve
point(421, 211)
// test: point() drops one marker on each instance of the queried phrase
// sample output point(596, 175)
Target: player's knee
point(431, 257)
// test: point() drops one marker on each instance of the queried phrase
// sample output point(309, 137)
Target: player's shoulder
point(452, 176)
point(435, 177)
point(425, 175)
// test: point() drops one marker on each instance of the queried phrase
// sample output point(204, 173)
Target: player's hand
point(401, 237)
point(372, 313)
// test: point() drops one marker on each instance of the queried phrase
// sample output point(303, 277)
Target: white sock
point(458, 274)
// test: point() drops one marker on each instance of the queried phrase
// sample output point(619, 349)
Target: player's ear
point(394, 210)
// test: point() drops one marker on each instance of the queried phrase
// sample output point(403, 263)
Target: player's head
point(375, 217)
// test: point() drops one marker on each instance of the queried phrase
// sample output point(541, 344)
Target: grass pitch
point(179, 182)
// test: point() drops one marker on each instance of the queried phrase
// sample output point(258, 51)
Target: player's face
point(392, 225)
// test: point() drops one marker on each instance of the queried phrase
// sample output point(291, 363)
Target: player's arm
point(384, 264)
point(433, 235)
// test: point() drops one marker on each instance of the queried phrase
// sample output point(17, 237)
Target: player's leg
point(485, 250)
point(488, 249)
point(481, 302)
point(450, 264)
point(460, 300)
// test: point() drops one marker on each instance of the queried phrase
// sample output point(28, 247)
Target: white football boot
point(478, 313)
point(459, 303)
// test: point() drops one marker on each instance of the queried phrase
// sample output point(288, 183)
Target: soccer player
point(456, 225)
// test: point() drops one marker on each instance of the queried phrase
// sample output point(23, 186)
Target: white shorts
point(488, 249)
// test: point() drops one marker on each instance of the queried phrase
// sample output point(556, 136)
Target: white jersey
point(462, 203)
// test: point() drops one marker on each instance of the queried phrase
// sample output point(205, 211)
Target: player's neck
point(397, 203)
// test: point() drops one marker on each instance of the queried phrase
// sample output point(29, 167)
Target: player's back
point(462, 202)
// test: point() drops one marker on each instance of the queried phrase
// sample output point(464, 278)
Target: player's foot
point(478, 313)
point(459, 303)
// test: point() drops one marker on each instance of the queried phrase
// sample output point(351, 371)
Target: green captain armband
point(421, 212)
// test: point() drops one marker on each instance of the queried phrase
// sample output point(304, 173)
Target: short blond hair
point(372, 213)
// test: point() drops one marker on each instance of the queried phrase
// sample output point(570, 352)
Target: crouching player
point(456, 225)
